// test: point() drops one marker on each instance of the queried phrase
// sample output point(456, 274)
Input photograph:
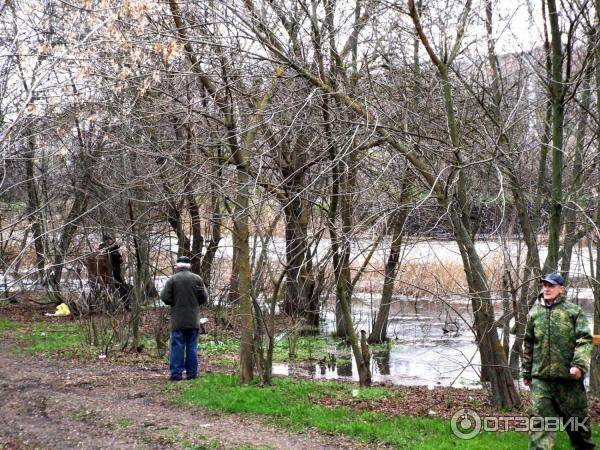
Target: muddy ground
point(80, 404)
point(48, 404)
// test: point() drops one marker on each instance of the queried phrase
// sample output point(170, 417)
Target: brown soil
point(60, 405)
point(73, 404)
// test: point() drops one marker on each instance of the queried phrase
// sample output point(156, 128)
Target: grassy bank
point(44, 337)
point(294, 404)
point(308, 348)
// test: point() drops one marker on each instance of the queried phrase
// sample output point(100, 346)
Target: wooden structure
point(105, 294)
point(98, 270)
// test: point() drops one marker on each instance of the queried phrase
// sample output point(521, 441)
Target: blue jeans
point(184, 354)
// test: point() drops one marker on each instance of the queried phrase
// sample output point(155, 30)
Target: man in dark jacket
point(556, 356)
point(184, 292)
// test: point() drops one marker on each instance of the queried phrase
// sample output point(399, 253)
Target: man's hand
point(576, 372)
point(526, 381)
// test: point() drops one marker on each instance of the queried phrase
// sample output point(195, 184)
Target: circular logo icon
point(465, 424)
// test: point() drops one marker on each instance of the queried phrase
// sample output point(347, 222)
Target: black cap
point(184, 260)
point(553, 278)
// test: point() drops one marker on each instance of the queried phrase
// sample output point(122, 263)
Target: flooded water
point(435, 364)
point(430, 344)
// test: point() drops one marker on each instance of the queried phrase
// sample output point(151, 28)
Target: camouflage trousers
point(554, 400)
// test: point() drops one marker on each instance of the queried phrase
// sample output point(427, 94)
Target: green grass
point(13, 205)
point(307, 348)
point(125, 422)
point(289, 403)
point(224, 352)
point(49, 337)
point(8, 325)
point(213, 348)
point(42, 336)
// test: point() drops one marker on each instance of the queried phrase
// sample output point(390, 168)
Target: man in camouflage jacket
point(556, 357)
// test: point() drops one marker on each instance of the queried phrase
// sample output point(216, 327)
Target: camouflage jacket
point(557, 338)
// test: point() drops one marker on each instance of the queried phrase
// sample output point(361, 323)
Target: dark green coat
point(557, 337)
point(184, 292)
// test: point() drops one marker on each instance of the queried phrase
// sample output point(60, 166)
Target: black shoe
point(174, 379)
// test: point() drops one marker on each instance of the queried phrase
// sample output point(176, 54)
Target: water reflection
point(431, 344)
point(382, 361)
point(344, 367)
point(403, 364)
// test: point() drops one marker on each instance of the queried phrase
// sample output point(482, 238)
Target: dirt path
point(73, 405)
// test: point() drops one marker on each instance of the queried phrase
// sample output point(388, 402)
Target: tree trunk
point(72, 221)
point(520, 312)
point(138, 294)
point(595, 363)
point(493, 361)
point(578, 173)
point(363, 366)
point(197, 238)
point(34, 208)
point(379, 333)
point(556, 98)
point(243, 251)
point(174, 219)
point(506, 311)
point(343, 277)
point(299, 283)
point(215, 236)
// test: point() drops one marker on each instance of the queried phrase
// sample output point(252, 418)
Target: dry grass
point(418, 279)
